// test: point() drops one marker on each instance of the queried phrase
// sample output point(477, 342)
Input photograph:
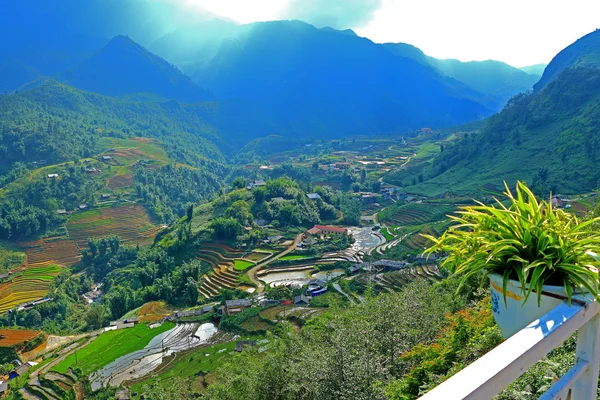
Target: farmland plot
point(130, 222)
point(27, 285)
point(140, 363)
point(51, 251)
point(11, 337)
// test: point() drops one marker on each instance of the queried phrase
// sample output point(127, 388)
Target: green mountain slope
point(548, 138)
point(123, 67)
point(584, 52)
point(54, 122)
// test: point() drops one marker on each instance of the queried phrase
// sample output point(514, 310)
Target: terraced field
point(224, 275)
point(27, 285)
point(51, 251)
point(396, 279)
point(417, 213)
point(130, 222)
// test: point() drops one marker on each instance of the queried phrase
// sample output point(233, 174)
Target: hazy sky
point(519, 32)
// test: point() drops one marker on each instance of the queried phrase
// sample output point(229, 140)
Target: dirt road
point(252, 272)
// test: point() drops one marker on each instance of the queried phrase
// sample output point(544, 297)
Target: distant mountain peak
point(123, 67)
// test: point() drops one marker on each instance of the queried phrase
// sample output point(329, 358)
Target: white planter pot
point(515, 315)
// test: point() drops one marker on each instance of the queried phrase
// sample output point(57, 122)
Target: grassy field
point(109, 346)
point(242, 265)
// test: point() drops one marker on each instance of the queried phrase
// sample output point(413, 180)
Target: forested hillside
point(548, 138)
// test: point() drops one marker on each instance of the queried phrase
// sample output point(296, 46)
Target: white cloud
point(519, 32)
point(341, 14)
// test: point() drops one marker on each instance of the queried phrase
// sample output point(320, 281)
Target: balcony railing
point(493, 372)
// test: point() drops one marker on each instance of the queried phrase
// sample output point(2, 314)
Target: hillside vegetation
point(548, 138)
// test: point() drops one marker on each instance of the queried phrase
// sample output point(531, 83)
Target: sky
point(518, 32)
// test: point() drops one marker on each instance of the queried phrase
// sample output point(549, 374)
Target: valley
point(195, 206)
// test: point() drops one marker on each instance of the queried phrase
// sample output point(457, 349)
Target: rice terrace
point(130, 222)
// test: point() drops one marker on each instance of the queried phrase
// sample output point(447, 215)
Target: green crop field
point(109, 346)
point(242, 265)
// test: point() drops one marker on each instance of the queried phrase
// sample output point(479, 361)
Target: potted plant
point(535, 256)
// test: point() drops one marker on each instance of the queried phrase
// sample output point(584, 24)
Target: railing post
point(588, 349)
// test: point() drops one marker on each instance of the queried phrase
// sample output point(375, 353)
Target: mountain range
point(303, 80)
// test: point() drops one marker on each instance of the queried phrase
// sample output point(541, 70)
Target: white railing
point(493, 372)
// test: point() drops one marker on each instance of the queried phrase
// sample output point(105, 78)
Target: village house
point(301, 301)
point(278, 199)
point(61, 212)
point(313, 196)
point(390, 265)
point(369, 198)
point(52, 176)
point(105, 196)
point(557, 202)
point(327, 230)
point(273, 240)
point(316, 284)
point(256, 183)
point(91, 170)
point(82, 206)
point(236, 306)
point(106, 158)
point(342, 165)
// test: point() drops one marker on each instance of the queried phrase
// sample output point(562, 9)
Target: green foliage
point(551, 128)
point(347, 354)
point(225, 228)
point(234, 322)
point(528, 241)
point(169, 190)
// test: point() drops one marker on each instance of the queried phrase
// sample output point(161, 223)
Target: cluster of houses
point(93, 295)
point(31, 304)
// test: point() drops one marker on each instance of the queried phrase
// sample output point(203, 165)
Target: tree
point(33, 318)
point(96, 316)
point(239, 183)
point(190, 212)
point(191, 290)
point(225, 228)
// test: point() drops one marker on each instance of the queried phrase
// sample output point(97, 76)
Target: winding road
point(252, 272)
